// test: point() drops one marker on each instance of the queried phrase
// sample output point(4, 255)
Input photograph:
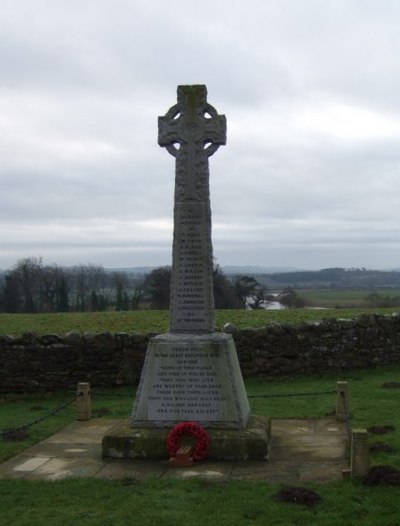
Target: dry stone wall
point(39, 363)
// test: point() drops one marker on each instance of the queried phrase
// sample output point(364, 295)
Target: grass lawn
point(171, 503)
point(146, 321)
point(344, 298)
point(330, 298)
point(175, 502)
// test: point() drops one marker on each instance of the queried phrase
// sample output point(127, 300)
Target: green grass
point(345, 298)
point(18, 409)
point(174, 502)
point(146, 321)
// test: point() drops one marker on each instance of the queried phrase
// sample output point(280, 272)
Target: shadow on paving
point(301, 451)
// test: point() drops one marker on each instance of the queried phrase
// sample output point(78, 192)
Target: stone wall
point(38, 363)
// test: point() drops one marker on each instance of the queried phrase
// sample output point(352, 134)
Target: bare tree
point(86, 279)
point(120, 282)
point(26, 279)
point(250, 292)
point(157, 285)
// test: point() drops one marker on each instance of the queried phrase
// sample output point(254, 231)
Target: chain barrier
point(290, 394)
point(24, 427)
point(61, 407)
point(120, 395)
point(346, 413)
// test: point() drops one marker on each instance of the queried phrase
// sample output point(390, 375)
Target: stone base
point(251, 443)
point(191, 378)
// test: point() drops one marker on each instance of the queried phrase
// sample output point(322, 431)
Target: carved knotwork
point(192, 131)
point(192, 120)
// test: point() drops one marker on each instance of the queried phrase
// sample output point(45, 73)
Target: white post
point(342, 401)
point(359, 453)
point(83, 402)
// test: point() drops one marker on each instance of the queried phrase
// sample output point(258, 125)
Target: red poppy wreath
point(174, 439)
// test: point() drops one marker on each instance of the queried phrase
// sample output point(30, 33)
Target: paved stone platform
point(301, 451)
point(252, 442)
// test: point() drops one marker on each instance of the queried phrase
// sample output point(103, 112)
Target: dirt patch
point(296, 495)
point(15, 435)
point(381, 447)
point(380, 430)
point(391, 385)
point(382, 476)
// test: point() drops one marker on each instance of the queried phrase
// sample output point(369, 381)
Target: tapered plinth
point(191, 378)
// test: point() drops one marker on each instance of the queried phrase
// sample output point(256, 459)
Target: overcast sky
point(310, 174)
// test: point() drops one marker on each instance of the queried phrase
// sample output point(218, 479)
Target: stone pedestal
point(360, 462)
point(250, 443)
point(189, 377)
point(192, 373)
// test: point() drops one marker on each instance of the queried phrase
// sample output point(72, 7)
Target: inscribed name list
point(191, 287)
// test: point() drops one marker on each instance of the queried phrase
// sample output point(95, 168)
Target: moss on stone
point(251, 443)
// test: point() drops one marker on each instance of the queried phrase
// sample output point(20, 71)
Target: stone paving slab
point(320, 471)
point(20, 466)
point(315, 440)
point(301, 451)
point(61, 468)
point(308, 454)
point(66, 449)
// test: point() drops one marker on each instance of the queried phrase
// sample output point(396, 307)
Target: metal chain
point(61, 407)
point(23, 427)
point(346, 413)
point(111, 394)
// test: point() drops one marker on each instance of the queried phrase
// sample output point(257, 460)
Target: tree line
point(31, 286)
point(336, 277)
point(34, 287)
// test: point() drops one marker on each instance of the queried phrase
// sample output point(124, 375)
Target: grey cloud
point(82, 85)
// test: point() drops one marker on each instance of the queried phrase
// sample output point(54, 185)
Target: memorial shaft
point(192, 131)
point(191, 373)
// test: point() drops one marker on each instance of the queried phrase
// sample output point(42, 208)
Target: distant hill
point(229, 269)
point(132, 270)
point(281, 277)
point(334, 278)
point(249, 269)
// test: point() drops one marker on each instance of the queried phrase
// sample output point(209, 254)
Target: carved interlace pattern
point(192, 131)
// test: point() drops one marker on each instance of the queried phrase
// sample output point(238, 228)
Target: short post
point(83, 402)
point(342, 401)
point(359, 464)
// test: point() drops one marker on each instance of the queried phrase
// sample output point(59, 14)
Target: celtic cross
point(192, 131)
point(191, 373)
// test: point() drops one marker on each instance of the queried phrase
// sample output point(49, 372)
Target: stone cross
point(192, 131)
point(191, 373)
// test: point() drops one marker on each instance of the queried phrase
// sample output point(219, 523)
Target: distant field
point(331, 298)
point(147, 321)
